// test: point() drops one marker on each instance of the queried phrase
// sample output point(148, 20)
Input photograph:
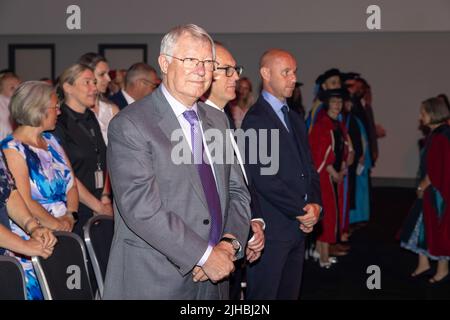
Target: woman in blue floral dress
point(39, 165)
point(42, 240)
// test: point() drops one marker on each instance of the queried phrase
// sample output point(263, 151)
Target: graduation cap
point(328, 74)
point(350, 76)
point(326, 95)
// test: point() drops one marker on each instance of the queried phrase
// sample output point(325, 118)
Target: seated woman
point(80, 135)
point(37, 162)
point(427, 228)
point(40, 243)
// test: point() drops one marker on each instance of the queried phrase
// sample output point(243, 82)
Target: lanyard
point(90, 133)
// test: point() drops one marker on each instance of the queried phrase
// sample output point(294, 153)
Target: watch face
point(236, 245)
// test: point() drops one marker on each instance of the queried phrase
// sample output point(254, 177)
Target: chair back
point(98, 235)
point(64, 275)
point(12, 279)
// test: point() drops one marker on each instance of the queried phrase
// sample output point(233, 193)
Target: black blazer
point(119, 99)
point(282, 195)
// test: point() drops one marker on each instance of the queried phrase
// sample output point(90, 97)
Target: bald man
point(290, 198)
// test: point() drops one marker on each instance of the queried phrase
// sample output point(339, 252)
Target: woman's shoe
point(326, 265)
point(336, 252)
point(316, 256)
point(333, 260)
point(433, 280)
point(426, 272)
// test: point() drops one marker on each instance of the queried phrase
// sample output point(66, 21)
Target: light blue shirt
point(276, 105)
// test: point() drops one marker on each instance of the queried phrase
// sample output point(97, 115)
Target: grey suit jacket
point(161, 214)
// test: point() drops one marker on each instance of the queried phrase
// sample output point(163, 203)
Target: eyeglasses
point(229, 71)
point(57, 106)
point(191, 63)
point(150, 83)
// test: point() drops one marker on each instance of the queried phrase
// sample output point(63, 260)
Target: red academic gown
point(437, 213)
point(321, 140)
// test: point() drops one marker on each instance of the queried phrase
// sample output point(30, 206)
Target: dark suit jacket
point(255, 206)
point(283, 195)
point(119, 100)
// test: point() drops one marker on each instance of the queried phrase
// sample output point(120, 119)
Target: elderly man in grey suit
point(178, 226)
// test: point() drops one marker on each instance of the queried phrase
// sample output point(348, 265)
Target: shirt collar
point(74, 114)
point(212, 104)
point(177, 107)
point(127, 97)
point(274, 102)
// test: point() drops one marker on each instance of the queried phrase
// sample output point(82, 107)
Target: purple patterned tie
point(206, 177)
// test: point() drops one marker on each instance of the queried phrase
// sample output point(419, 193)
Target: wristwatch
point(235, 243)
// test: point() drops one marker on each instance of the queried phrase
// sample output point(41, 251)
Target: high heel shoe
point(316, 256)
point(426, 272)
point(433, 280)
point(326, 265)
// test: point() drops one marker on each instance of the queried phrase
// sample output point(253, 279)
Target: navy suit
point(282, 196)
point(119, 99)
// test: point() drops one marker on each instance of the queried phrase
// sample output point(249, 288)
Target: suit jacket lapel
point(168, 123)
point(284, 134)
point(298, 135)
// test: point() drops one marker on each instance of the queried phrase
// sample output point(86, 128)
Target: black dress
point(81, 138)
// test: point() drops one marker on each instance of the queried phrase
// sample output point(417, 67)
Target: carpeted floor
point(376, 244)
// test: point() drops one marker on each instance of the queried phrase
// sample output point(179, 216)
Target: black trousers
point(277, 275)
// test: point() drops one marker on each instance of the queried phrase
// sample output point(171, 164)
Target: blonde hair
point(70, 75)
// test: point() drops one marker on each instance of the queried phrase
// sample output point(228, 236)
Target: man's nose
point(200, 68)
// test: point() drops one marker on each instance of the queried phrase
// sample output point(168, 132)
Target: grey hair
point(170, 40)
point(437, 110)
point(29, 103)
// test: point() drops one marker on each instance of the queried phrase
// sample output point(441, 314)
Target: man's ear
point(163, 63)
point(265, 73)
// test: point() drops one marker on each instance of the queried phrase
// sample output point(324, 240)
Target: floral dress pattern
point(50, 180)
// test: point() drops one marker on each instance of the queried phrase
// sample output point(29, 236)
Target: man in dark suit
point(140, 80)
point(290, 196)
point(222, 91)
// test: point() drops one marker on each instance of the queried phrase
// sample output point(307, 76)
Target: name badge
point(98, 179)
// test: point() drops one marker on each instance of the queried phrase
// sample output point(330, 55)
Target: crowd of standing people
point(100, 142)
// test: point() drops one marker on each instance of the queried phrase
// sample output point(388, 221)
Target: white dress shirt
point(178, 108)
point(239, 158)
point(127, 97)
